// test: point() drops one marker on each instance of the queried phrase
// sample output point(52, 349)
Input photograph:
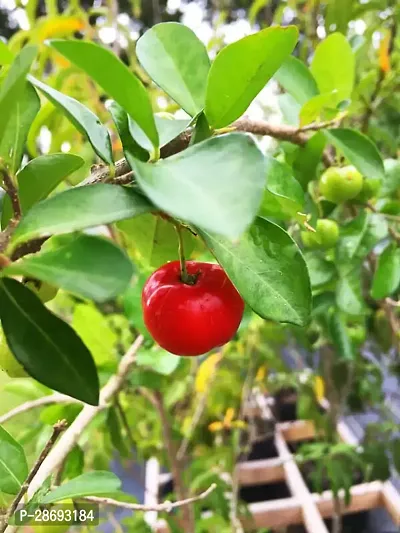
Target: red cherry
point(191, 319)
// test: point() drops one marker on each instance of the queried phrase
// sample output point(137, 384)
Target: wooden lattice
point(303, 507)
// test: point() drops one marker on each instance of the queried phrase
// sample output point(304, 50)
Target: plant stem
point(188, 279)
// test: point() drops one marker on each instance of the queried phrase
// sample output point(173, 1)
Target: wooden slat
point(363, 497)
point(261, 471)
point(297, 430)
point(275, 513)
point(391, 500)
point(311, 517)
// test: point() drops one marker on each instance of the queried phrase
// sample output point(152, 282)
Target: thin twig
point(125, 423)
point(57, 430)
point(166, 506)
point(176, 467)
point(39, 402)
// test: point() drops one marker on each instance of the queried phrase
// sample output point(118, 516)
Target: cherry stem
point(186, 278)
point(182, 260)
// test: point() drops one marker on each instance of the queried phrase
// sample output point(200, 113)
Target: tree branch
point(12, 191)
point(88, 413)
point(166, 506)
point(45, 400)
point(57, 430)
point(188, 524)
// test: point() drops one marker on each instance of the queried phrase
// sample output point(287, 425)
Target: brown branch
point(12, 191)
point(166, 506)
point(57, 430)
point(187, 520)
point(39, 402)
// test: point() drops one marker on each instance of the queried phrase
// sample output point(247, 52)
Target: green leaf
point(387, 274)
point(216, 184)
point(84, 120)
point(339, 12)
point(320, 107)
point(87, 321)
point(283, 196)
point(178, 62)
point(167, 129)
point(340, 337)
point(320, 270)
point(261, 265)
point(242, 69)
point(296, 78)
point(158, 360)
point(114, 78)
point(391, 181)
point(201, 131)
point(129, 144)
point(39, 178)
point(308, 158)
point(88, 484)
point(89, 266)
point(349, 296)
point(359, 150)
point(74, 463)
point(358, 238)
point(13, 143)
point(45, 346)
point(155, 239)
point(115, 432)
point(13, 465)
point(79, 208)
point(52, 414)
point(13, 87)
point(6, 56)
point(333, 66)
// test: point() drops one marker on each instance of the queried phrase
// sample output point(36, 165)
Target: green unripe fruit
point(338, 185)
point(326, 235)
point(369, 189)
point(8, 363)
point(357, 335)
point(45, 291)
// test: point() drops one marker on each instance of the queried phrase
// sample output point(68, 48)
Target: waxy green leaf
point(89, 266)
point(13, 142)
point(80, 208)
point(262, 265)
point(88, 484)
point(359, 150)
point(242, 69)
point(115, 78)
point(82, 118)
point(47, 347)
point(178, 62)
point(216, 184)
point(38, 178)
point(13, 465)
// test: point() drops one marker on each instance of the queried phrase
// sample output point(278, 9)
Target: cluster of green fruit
point(8, 362)
point(338, 185)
